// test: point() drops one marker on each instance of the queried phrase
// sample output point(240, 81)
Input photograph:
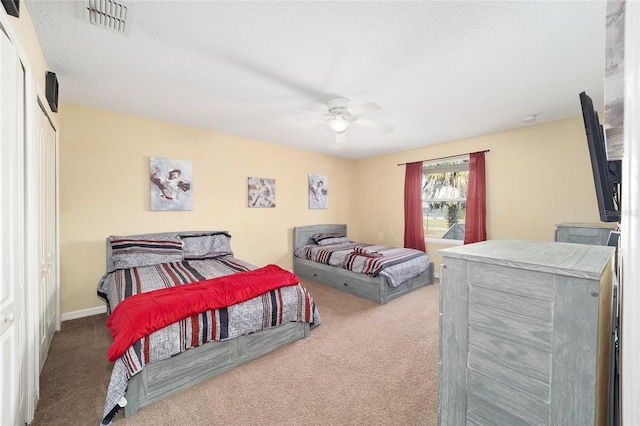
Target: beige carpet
point(367, 364)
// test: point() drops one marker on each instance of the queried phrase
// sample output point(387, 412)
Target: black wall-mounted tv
point(606, 174)
point(12, 7)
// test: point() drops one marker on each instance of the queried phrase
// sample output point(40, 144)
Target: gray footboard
point(164, 378)
point(372, 288)
point(408, 286)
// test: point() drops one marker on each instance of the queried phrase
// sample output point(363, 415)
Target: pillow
point(206, 245)
point(144, 250)
point(329, 238)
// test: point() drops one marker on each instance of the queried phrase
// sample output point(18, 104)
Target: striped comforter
point(395, 264)
point(286, 304)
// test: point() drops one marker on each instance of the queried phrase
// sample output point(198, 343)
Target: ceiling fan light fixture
point(338, 124)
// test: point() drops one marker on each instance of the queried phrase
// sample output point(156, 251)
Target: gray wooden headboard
point(302, 234)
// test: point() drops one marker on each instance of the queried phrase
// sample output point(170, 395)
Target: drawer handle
point(315, 275)
point(346, 285)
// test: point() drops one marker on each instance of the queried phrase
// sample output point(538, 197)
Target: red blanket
point(142, 314)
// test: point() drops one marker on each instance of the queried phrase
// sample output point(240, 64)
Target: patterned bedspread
point(395, 264)
point(286, 304)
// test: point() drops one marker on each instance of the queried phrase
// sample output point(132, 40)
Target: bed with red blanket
point(183, 309)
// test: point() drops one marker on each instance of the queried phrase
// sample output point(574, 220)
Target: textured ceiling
point(441, 71)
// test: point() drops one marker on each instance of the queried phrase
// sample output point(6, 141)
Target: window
point(444, 198)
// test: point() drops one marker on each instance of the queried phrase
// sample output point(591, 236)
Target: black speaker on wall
point(12, 7)
point(51, 91)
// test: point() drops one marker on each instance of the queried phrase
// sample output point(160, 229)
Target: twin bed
point(239, 310)
point(405, 270)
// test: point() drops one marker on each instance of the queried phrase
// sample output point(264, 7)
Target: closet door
point(12, 251)
point(47, 219)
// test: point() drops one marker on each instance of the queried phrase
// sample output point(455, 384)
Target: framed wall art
point(171, 184)
point(261, 192)
point(318, 191)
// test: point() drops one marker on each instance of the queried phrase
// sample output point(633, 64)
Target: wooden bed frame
point(372, 288)
point(167, 377)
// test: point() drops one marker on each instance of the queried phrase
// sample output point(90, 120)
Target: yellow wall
point(104, 190)
point(536, 177)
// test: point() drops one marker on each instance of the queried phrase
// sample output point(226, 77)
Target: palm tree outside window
point(444, 198)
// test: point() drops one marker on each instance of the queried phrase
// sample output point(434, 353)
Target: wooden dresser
point(584, 233)
point(525, 333)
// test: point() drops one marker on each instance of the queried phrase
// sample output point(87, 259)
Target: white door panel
point(47, 226)
point(11, 232)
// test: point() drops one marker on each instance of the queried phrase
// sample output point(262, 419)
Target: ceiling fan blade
point(364, 108)
point(373, 124)
point(341, 137)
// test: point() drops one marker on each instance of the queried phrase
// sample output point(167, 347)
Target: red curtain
point(476, 217)
point(413, 221)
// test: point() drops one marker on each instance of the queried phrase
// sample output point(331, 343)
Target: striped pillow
point(144, 250)
point(207, 245)
point(329, 238)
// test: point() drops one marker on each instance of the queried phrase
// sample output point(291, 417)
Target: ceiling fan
point(340, 115)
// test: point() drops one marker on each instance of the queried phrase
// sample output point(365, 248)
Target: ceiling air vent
point(112, 15)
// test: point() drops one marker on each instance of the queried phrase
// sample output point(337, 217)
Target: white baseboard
point(84, 313)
